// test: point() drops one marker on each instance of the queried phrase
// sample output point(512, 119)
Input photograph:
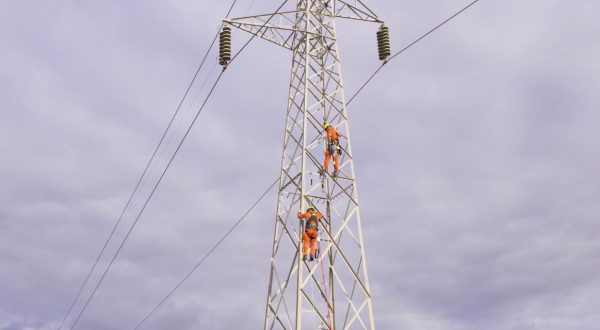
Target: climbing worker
point(333, 149)
point(311, 231)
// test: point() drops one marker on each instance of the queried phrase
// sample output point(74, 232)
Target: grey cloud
point(476, 157)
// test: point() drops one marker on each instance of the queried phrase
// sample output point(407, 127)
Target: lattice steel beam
point(334, 291)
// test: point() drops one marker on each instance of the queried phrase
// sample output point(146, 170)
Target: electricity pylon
point(333, 291)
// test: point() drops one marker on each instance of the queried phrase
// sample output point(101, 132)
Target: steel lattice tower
point(332, 292)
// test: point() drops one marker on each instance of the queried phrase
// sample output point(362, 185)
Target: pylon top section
point(287, 22)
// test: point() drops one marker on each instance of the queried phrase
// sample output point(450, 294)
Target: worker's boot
point(312, 257)
point(335, 174)
point(304, 258)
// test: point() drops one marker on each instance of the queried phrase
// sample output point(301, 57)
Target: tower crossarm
point(282, 33)
point(355, 10)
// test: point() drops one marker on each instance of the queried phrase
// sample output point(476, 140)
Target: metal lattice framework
point(333, 291)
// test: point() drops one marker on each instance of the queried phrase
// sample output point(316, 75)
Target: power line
point(137, 185)
point(140, 181)
point(216, 64)
point(409, 46)
point(147, 201)
point(169, 163)
point(184, 115)
point(235, 225)
point(245, 214)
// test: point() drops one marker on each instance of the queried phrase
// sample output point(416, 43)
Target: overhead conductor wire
point(135, 189)
point(409, 46)
point(236, 224)
point(147, 200)
point(199, 263)
point(210, 73)
point(166, 168)
point(91, 271)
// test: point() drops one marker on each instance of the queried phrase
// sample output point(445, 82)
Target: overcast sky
point(477, 156)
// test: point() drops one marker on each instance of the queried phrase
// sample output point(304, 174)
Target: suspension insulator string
point(225, 46)
point(383, 43)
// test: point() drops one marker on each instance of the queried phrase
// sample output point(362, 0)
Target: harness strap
point(312, 223)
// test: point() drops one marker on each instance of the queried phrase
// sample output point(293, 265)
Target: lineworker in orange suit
point(311, 231)
point(333, 149)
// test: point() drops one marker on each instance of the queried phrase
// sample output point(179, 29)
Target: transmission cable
point(271, 187)
point(135, 189)
point(137, 185)
point(235, 225)
point(168, 165)
point(147, 201)
point(409, 46)
point(243, 216)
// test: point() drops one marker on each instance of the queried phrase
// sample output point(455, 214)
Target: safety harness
point(312, 223)
point(333, 147)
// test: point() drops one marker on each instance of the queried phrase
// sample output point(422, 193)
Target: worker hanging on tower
point(311, 231)
point(333, 149)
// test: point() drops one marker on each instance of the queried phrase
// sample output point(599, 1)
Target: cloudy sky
point(476, 153)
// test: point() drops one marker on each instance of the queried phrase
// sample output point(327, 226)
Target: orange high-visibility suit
point(333, 142)
point(311, 231)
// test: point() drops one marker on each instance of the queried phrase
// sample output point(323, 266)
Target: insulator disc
point(383, 43)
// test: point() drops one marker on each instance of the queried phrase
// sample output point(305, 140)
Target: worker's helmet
point(325, 125)
point(310, 209)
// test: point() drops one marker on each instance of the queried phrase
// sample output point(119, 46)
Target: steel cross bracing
point(284, 32)
point(332, 292)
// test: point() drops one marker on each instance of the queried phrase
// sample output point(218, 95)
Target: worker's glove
point(299, 214)
point(339, 150)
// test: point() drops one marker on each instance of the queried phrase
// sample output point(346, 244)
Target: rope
point(326, 291)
